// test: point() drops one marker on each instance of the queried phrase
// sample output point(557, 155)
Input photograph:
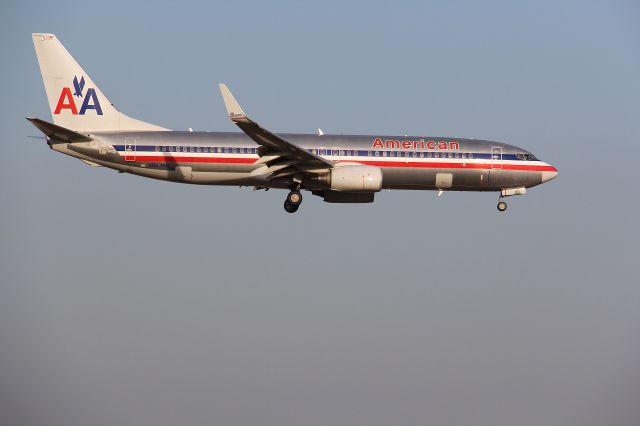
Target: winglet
point(236, 114)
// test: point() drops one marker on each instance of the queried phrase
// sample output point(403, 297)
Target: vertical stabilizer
point(74, 99)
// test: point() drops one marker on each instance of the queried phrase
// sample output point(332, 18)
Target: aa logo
point(89, 99)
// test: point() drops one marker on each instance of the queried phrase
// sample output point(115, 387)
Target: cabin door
point(496, 157)
point(495, 174)
point(130, 149)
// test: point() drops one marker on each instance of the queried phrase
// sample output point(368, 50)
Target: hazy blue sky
point(127, 301)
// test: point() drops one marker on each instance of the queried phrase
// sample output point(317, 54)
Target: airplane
point(338, 168)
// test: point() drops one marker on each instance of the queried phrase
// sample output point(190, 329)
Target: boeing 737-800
point(338, 168)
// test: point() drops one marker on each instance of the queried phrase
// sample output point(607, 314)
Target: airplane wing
point(280, 157)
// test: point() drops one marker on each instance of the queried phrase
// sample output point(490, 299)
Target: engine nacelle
point(354, 178)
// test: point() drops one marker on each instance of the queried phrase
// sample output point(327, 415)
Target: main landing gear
point(502, 206)
point(293, 201)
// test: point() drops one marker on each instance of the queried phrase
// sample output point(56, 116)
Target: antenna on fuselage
point(320, 132)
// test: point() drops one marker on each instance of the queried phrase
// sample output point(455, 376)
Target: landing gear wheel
point(290, 208)
point(502, 206)
point(294, 198)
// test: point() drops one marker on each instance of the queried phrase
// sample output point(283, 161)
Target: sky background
point(129, 301)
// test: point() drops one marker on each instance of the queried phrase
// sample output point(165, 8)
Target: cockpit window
point(526, 156)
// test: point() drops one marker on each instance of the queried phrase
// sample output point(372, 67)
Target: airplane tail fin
point(76, 102)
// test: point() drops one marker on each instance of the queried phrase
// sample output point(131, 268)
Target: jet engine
point(353, 178)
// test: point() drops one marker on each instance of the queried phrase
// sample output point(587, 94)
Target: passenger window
point(157, 148)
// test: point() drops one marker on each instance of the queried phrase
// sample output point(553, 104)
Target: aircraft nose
point(549, 172)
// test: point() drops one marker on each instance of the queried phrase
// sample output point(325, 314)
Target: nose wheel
point(293, 201)
point(502, 206)
point(289, 208)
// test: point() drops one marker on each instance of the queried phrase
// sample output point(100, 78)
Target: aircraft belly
point(501, 178)
point(433, 178)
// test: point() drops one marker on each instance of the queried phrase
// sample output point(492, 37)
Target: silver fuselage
point(221, 158)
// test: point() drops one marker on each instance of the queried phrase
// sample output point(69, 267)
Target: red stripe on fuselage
point(450, 165)
point(410, 164)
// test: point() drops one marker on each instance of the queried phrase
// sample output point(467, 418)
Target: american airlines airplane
point(338, 168)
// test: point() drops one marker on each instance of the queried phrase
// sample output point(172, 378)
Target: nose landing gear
point(293, 201)
point(508, 192)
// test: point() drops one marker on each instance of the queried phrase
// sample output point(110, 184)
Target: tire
point(294, 198)
point(290, 208)
point(502, 206)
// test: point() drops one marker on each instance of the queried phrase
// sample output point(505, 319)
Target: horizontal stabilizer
point(58, 133)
